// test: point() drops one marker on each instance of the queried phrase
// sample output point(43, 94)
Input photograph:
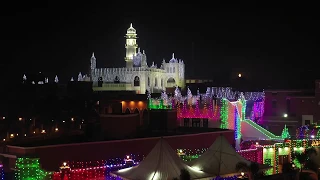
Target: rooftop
point(142, 134)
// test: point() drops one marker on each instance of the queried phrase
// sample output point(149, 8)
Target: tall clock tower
point(131, 46)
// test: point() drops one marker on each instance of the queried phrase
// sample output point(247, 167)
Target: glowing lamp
point(239, 75)
point(20, 119)
point(56, 129)
point(285, 115)
point(242, 174)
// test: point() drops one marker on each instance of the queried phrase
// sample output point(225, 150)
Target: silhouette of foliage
point(184, 175)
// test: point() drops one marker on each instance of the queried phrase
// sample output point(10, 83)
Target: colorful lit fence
point(29, 168)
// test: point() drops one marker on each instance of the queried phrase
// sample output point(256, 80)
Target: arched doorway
point(136, 111)
point(171, 82)
point(127, 111)
point(100, 82)
point(136, 81)
point(117, 79)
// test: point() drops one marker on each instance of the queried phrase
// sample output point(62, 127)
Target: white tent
point(220, 159)
point(161, 163)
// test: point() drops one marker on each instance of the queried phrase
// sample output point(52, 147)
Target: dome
point(131, 30)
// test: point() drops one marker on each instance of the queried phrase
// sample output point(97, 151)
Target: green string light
point(29, 169)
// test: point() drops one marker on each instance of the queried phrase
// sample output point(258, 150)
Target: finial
point(138, 49)
point(143, 51)
point(131, 25)
point(92, 54)
point(172, 55)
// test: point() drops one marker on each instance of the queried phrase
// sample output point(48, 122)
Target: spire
point(172, 55)
point(80, 78)
point(56, 80)
point(143, 52)
point(131, 25)
point(93, 55)
point(139, 50)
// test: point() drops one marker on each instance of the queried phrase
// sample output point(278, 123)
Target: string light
point(29, 168)
point(285, 133)
point(1, 172)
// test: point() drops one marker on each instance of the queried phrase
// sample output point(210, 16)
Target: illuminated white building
point(137, 75)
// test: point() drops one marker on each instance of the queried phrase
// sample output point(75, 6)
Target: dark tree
point(184, 175)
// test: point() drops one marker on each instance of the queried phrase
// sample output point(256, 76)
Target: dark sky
point(271, 43)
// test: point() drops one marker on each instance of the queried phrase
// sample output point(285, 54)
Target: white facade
point(137, 75)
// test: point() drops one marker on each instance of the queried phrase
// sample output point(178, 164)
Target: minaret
point(93, 62)
point(93, 66)
point(131, 46)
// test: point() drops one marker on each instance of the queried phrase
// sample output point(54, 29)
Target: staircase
point(252, 130)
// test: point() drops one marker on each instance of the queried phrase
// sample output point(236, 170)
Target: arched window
point(136, 81)
point(155, 82)
point(161, 82)
point(127, 111)
point(117, 79)
point(136, 111)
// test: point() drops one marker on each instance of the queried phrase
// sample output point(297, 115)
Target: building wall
point(119, 126)
point(51, 157)
point(283, 107)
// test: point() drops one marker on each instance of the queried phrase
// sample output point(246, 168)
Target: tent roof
point(220, 159)
point(161, 163)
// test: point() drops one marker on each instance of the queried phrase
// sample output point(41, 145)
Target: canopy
point(220, 159)
point(161, 163)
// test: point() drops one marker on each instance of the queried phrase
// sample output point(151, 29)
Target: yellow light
point(11, 135)
point(239, 75)
point(4, 139)
point(285, 115)
point(20, 119)
point(56, 129)
point(34, 132)
point(72, 119)
point(64, 164)
point(43, 131)
point(242, 173)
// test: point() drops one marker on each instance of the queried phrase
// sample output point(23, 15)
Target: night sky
point(272, 46)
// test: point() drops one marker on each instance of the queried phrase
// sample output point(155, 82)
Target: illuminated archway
point(171, 82)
